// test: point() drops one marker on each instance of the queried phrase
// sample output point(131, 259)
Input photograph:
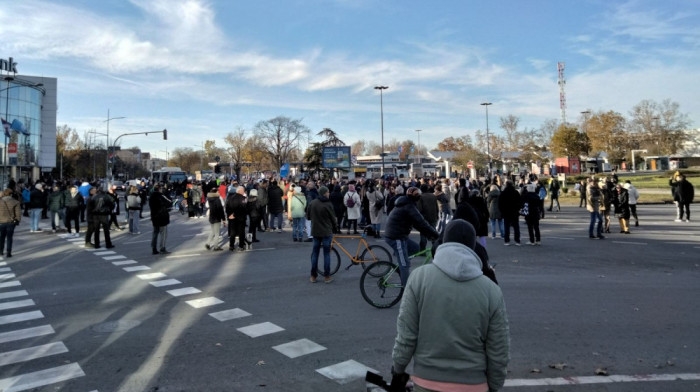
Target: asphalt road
point(79, 320)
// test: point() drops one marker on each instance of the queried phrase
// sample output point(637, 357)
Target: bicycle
point(380, 283)
point(370, 254)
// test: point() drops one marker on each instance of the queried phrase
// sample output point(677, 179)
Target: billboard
point(336, 157)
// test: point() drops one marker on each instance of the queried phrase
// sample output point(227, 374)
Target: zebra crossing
point(15, 309)
point(341, 373)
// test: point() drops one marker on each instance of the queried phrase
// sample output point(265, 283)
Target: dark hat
point(322, 190)
point(460, 231)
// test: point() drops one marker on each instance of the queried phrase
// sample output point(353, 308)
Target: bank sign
point(8, 65)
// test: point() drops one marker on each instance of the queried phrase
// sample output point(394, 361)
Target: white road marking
point(230, 314)
point(298, 348)
point(26, 333)
point(76, 239)
point(136, 242)
point(629, 242)
point(344, 372)
point(27, 381)
point(15, 318)
point(601, 380)
point(184, 291)
point(27, 354)
point(261, 249)
point(13, 294)
point(13, 283)
point(5, 269)
point(167, 282)
point(137, 268)
point(16, 304)
point(7, 276)
point(105, 253)
point(125, 262)
point(261, 329)
point(154, 275)
point(560, 238)
point(117, 257)
point(204, 302)
point(3, 263)
point(187, 255)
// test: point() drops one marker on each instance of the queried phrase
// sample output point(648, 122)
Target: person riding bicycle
point(402, 218)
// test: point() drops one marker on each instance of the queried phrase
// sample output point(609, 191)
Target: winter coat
point(428, 207)
point(321, 213)
point(633, 193)
point(216, 207)
point(533, 205)
point(405, 216)
point(236, 205)
point(354, 211)
point(9, 210)
point(452, 322)
point(274, 200)
point(73, 202)
point(262, 197)
point(509, 203)
point(56, 201)
point(336, 199)
point(492, 202)
point(252, 208)
point(36, 199)
point(375, 214)
point(479, 204)
point(683, 191)
point(297, 206)
point(622, 204)
point(160, 209)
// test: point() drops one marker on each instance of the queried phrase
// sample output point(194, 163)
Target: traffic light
point(165, 134)
point(217, 169)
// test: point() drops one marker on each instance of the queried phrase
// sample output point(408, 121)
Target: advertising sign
point(336, 157)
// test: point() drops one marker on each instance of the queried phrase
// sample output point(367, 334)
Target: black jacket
point(509, 202)
point(533, 204)
point(683, 191)
point(428, 207)
point(274, 200)
point(405, 216)
point(216, 209)
point(236, 206)
point(321, 213)
point(160, 209)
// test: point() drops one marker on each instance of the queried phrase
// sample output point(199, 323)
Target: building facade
point(28, 106)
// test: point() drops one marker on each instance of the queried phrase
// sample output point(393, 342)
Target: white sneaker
point(678, 220)
point(76, 235)
point(517, 244)
point(531, 243)
point(506, 243)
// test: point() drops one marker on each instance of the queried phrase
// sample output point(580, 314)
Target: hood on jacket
point(401, 201)
point(458, 261)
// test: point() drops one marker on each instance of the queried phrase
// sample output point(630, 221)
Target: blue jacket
point(85, 190)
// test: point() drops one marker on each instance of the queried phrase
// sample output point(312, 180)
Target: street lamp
point(108, 172)
point(656, 126)
point(488, 148)
point(381, 108)
point(418, 131)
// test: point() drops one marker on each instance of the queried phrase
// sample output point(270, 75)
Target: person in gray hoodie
point(452, 321)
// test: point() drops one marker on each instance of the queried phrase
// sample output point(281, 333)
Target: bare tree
point(280, 136)
point(358, 148)
point(509, 124)
point(236, 149)
point(660, 126)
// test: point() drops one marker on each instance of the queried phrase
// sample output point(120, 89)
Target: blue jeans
point(34, 216)
point(402, 249)
point(298, 225)
point(595, 216)
point(7, 230)
point(326, 242)
point(133, 220)
point(277, 217)
point(500, 226)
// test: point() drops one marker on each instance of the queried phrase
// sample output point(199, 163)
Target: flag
point(17, 126)
point(6, 126)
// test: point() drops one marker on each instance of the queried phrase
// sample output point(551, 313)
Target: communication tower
point(562, 93)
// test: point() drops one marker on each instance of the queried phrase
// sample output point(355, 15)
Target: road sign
point(470, 165)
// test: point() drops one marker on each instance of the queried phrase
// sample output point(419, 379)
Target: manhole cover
point(116, 326)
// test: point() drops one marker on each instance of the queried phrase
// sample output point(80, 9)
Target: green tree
point(455, 143)
point(568, 141)
point(607, 132)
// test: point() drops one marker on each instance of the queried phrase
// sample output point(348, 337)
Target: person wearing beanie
point(253, 214)
point(452, 321)
point(321, 212)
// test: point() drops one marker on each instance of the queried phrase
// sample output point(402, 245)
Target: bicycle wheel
point(378, 253)
point(380, 284)
point(335, 261)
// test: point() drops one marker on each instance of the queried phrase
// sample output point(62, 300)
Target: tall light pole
point(381, 108)
point(488, 147)
point(108, 173)
point(418, 131)
point(658, 140)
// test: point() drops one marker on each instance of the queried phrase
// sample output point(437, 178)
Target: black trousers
point(237, 229)
point(72, 216)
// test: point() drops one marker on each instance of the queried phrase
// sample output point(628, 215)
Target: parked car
point(120, 185)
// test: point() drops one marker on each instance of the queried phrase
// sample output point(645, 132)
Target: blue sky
point(202, 68)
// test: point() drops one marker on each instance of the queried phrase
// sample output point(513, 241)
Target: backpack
point(351, 201)
point(379, 203)
point(595, 195)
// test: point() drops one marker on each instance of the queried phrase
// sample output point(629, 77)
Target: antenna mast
point(562, 93)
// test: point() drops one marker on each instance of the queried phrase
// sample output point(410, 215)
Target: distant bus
point(169, 175)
